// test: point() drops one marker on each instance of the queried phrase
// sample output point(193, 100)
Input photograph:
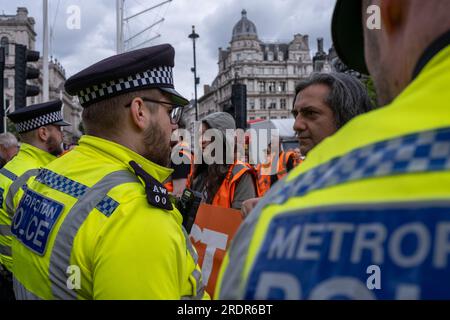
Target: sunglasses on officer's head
point(175, 114)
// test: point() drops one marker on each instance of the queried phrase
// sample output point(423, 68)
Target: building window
point(251, 103)
point(251, 85)
point(273, 104)
point(4, 42)
point(272, 86)
point(283, 117)
point(238, 56)
point(262, 86)
point(264, 117)
point(252, 118)
point(283, 104)
point(282, 86)
point(5, 83)
point(7, 103)
point(262, 103)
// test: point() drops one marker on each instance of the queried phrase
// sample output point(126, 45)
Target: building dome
point(244, 28)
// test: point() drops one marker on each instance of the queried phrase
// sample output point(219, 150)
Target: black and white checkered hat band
point(160, 75)
point(38, 122)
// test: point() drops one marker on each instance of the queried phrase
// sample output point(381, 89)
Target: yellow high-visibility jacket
point(366, 216)
point(88, 228)
point(28, 158)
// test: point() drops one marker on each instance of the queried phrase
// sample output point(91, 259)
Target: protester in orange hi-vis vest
point(223, 186)
point(275, 168)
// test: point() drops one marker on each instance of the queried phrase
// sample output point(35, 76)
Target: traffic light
point(239, 105)
point(23, 73)
point(2, 99)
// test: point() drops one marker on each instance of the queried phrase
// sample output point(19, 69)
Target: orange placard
point(211, 234)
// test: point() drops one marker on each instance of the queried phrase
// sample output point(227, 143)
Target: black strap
point(157, 194)
point(434, 48)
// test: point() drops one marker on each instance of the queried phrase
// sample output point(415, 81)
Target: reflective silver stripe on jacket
point(22, 293)
point(233, 285)
point(15, 187)
point(8, 174)
point(62, 248)
point(196, 274)
point(200, 287)
point(190, 247)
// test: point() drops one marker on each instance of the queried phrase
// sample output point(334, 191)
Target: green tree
point(368, 82)
point(11, 127)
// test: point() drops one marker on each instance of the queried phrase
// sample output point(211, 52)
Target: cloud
point(214, 21)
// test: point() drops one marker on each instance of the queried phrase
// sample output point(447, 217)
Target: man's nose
point(299, 124)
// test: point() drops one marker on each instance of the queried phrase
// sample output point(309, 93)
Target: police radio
point(188, 205)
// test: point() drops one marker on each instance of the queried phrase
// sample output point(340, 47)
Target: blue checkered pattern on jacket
point(61, 183)
point(75, 189)
point(107, 206)
point(415, 153)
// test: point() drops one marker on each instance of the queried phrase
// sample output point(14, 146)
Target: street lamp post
point(194, 36)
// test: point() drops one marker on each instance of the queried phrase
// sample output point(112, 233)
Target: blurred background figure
point(9, 147)
point(221, 184)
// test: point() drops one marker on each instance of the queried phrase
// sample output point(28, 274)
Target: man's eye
point(308, 113)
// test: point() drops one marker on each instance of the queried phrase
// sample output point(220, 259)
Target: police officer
point(39, 127)
point(366, 215)
point(97, 223)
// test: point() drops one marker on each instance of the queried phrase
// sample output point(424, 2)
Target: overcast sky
point(213, 19)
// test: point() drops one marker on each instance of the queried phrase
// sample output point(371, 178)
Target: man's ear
point(43, 134)
point(139, 113)
point(393, 14)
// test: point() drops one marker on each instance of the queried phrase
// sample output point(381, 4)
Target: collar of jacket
point(433, 49)
point(43, 157)
point(116, 152)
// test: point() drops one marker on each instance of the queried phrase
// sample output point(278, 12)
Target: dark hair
point(347, 98)
point(215, 173)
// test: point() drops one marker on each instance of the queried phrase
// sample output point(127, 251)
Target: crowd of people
point(367, 186)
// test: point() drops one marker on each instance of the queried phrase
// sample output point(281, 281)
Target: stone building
point(270, 71)
point(19, 29)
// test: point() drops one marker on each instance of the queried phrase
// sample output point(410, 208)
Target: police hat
point(135, 70)
point(348, 35)
point(38, 115)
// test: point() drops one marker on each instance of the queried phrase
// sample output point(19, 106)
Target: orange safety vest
point(264, 172)
point(275, 165)
point(263, 179)
point(282, 165)
point(225, 195)
point(184, 147)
